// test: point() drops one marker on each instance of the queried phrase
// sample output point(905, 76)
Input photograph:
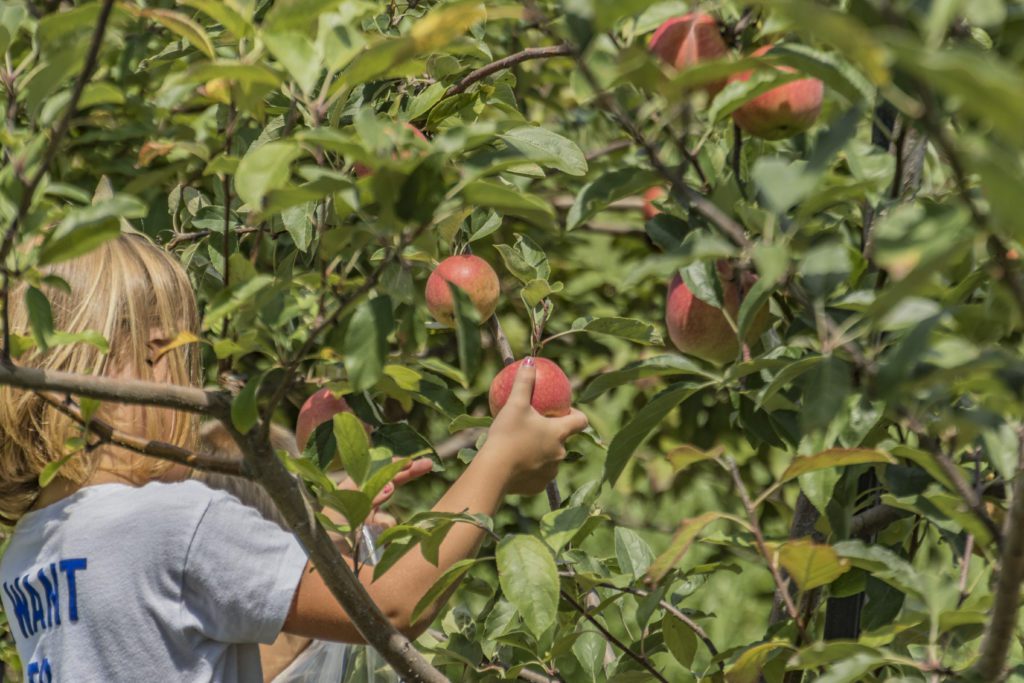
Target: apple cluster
point(782, 112)
point(552, 393)
point(695, 327)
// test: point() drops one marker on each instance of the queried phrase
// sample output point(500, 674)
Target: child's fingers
point(573, 423)
point(522, 386)
point(384, 494)
point(414, 470)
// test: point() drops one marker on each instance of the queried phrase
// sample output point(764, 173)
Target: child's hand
point(523, 444)
point(414, 470)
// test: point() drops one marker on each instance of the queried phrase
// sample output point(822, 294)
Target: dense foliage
point(862, 451)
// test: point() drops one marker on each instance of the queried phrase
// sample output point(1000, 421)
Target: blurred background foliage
point(269, 145)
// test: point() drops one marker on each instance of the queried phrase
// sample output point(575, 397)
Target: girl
point(120, 570)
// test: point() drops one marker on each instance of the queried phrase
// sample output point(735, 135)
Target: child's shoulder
point(164, 501)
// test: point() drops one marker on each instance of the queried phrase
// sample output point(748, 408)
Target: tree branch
point(1005, 602)
point(874, 519)
point(56, 138)
point(506, 62)
point(635, 656)
point(143, 446)
point(129, 391)
point(286, 492)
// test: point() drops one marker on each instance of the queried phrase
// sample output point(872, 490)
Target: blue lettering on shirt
point(52, 594)
point(37, 607)
point(39, 672)
point(20, 608)
point(69, 567)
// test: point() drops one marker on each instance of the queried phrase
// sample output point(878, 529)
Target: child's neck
point(60, 488)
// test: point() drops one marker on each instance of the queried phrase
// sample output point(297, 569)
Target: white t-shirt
point(164, 582)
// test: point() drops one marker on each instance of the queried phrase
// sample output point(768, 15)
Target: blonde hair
point(123, 289)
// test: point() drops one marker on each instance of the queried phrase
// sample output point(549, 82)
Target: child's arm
point(521, 456)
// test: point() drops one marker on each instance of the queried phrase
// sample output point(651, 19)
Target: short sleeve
point(240, 573)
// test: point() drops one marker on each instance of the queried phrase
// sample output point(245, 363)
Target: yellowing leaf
point(834, 457)
point(182, 339)
point(747, 669)
point(686, 455)
point(182, 25)
point(681, 542)
point(812, 564)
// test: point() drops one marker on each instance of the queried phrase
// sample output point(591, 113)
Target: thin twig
point(506, 62)
point(968, 494)
point(143, 446)
point(668, 607)
point(635, 656)
point(755, 526)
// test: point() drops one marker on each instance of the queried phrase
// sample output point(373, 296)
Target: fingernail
point(388, 488)
point(528, 360)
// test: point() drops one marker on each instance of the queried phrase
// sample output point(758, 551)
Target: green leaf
point(366, 342)
point(558, 527)
point(811, 564)
point(632, 552)
point(263, 169)
point(680, 640)
point(883, 564)
point(83, 229)
point(298, 55)
point(547, 149)
point(52, 468)
point(245, 408)
point(623, 328)
point(380, 478)
point(681, 541)
point(509, 200)
point(353, 446)
point(231, 300)
point(224, 12)
point(610, 187)
point(529, 580)
point(825, 389)
point(40, 317)
point(354, 505)
point(658, 366)
point(639, 428)
point(834, 457)
point(448, 579)
point(467, 332)
point(701, 277)
point(738, 92)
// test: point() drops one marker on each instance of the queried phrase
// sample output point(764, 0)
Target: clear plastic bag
point(327, 662)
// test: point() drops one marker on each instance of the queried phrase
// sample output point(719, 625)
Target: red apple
point(689, 40)
point(362, 170)
point(552, 392)
point(652, 195)
point(471, 274)
point(701, 330)
point(781, 112)
point(319, 408)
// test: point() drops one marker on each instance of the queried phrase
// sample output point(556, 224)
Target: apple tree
point(774, 247)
